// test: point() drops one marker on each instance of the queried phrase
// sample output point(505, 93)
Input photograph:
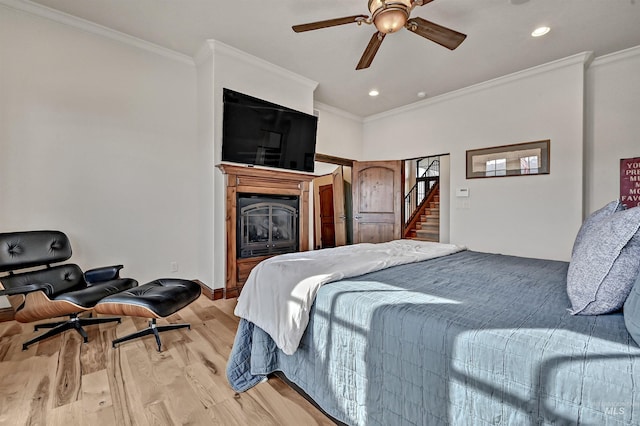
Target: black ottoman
point(156, 299)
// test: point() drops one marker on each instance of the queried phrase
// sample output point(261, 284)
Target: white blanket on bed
point(280, 290)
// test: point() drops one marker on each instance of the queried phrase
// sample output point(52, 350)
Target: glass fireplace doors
point(267, 225)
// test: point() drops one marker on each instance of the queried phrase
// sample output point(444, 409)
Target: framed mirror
point(529, 158)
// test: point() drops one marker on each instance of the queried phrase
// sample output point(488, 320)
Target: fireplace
point(276, 218)
point(266, 224)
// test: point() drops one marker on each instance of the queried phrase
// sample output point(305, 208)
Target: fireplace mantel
point(253, 180)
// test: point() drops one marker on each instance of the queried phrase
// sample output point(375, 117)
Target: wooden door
point(339, 215)
point(377, 201)
point(327, 224)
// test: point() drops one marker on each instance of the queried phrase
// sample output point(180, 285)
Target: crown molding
point(617, 56)
point(41, 11)
point(581, 58)
point(204, 54)
point(218, 47)
point(337, 111)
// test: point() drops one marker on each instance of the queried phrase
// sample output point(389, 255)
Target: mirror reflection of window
point(529, 165)
point(497, 167)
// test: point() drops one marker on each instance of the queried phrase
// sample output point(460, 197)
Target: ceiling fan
point(388, 16)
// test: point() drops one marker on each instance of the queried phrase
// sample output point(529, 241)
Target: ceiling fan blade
point(437, 33)
point(329, 23)
point(371, 50)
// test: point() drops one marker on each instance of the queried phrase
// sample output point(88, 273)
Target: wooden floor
point(61, 381)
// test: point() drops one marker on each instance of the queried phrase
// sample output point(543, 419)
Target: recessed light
point(421, 94)
point(373, 93)
point(540, 31)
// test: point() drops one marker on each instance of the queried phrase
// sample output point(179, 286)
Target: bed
point(466, 338)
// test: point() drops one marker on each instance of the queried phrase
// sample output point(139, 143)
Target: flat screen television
point(262, 133)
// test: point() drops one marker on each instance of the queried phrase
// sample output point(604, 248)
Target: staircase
point(427, 227)
point(422, 201)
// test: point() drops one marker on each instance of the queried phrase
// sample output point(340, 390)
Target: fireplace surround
point(288, 188)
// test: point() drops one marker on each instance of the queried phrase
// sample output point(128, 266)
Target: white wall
point(612, 123)
point(445, 198)
point(535, 216)
point(98, 139)
point(205, 204)
point(339, 132)
point(247, 74)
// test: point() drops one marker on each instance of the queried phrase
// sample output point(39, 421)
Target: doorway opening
point(332, 202)
point(426, 198)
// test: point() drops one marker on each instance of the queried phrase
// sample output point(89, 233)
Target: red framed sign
point(630, 182)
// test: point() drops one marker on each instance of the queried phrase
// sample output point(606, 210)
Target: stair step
point(428, 222)
point(427, 232)
point(429, 226)
point(433, 240)
point(430, 213)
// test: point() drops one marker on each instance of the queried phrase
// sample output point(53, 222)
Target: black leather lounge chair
point(53, 291)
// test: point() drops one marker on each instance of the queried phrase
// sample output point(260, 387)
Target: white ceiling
point(498, 39)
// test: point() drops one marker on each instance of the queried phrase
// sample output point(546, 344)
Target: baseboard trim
point(6, 314)
point(233, 292)
point(213, 294)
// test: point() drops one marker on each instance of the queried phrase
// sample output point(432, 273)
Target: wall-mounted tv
point(258, 132)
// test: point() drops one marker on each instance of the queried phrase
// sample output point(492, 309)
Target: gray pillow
point(632, 312)
point(605, 263)
point(594, 218)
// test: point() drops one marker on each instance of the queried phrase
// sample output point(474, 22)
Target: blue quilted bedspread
point(470, 338)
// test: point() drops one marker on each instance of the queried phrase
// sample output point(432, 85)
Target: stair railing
point(416, 196)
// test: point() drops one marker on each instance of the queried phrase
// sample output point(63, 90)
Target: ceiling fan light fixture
point(389, 16)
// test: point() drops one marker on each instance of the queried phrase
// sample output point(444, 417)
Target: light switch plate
point(462, 192)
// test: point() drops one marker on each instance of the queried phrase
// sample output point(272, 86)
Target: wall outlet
point(173, 266)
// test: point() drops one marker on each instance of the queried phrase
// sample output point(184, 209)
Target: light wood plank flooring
point(61, 381)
